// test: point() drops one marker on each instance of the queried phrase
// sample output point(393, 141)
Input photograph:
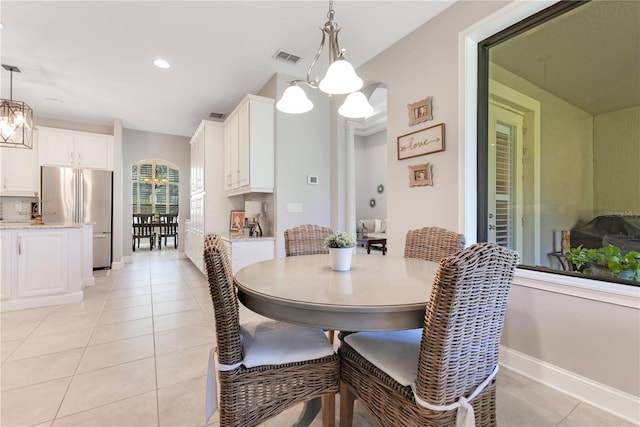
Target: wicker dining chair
point(454, 356)
point(432, 243)
point(306, 239)
point(265, 367)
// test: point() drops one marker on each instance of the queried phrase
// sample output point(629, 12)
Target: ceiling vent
point(283, 56)
point(216, 116)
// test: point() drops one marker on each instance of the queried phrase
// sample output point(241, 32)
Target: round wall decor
point(372, 202)
point(380, 188)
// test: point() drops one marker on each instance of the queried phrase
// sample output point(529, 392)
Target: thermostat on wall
point(312, 179)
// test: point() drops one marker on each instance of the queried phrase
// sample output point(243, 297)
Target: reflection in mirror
point(563, 134)
point(371, 158)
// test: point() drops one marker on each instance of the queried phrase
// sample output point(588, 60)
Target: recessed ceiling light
point(161, 63)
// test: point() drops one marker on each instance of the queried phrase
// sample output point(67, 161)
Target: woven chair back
point(432, 243)
point(225, 302)
point(463, 322)
point(306, 239)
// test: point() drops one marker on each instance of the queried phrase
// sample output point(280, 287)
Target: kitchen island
point(44, 265)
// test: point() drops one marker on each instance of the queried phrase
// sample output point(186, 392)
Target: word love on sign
point(419, 143)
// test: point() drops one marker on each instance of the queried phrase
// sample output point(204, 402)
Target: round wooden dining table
point(379, 293)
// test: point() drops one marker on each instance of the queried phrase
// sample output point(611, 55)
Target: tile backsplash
point(16, 209)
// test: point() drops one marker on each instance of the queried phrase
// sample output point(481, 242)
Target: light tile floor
point(134, 353)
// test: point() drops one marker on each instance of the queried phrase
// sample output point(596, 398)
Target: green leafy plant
point(578, 257)
point(339, 239)
point(589, 261)
point(625, 266)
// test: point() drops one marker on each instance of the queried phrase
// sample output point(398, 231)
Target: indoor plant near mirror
point(340, 245)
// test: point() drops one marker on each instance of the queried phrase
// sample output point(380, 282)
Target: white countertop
point(239, 237)
point(30, 226)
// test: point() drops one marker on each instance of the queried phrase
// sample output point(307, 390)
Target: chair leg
point(331, 335)
point(346, 405)
point(329, 410)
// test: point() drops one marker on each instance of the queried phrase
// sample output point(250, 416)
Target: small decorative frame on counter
point(236, 222)
point(420, 175)
point(420, 111)
point(421, 142)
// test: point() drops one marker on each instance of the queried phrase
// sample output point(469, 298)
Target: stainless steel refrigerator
point(80, 196)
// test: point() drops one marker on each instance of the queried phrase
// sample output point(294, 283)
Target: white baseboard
point(616, 402)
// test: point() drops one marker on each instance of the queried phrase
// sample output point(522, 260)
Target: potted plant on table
point(340, 245)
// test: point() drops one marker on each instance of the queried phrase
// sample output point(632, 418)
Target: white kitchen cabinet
point(231, 171)
point(249, 147)
point(209, 205)
point(197, 162)
point(7, 244)
point(194, 247)
point(43, 265)
point(247, 251)
point(19, 171)
point(61, 147)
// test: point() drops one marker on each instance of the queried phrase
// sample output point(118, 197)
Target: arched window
point(154, 187)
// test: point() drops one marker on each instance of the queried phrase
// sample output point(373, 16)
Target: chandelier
point(16, 119)
point(341, 79)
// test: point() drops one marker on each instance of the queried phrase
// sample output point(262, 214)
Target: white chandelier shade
point(341, 78)
point(356, 106)
point(294, 101)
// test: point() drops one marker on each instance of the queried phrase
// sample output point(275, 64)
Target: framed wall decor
point(236, 222)
point(420, 175)
point(420, 111)
point(421, 142)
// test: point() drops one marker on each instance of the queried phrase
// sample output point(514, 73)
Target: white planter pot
point(340, 258)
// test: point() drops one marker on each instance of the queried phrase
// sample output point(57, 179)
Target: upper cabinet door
point(60, 147)
point(249, 147)
point(93, 151)
point(19, 171)
point(55, 147)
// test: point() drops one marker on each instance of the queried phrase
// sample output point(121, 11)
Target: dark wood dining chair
point(453, 359)
point(432, 243)
point(266, 367)
point(168, 228)
point(142, 228)
point(306, 239)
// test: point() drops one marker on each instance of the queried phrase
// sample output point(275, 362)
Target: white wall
point(140, 145)
point(617, 148)
point(593, 339)
point(302, 148)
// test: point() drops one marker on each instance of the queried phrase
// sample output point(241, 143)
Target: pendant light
point(340, 79)
point(16, 119)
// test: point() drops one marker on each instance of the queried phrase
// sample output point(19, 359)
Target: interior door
point(506, 137)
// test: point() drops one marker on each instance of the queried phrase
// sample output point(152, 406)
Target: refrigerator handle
point(80, 204)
